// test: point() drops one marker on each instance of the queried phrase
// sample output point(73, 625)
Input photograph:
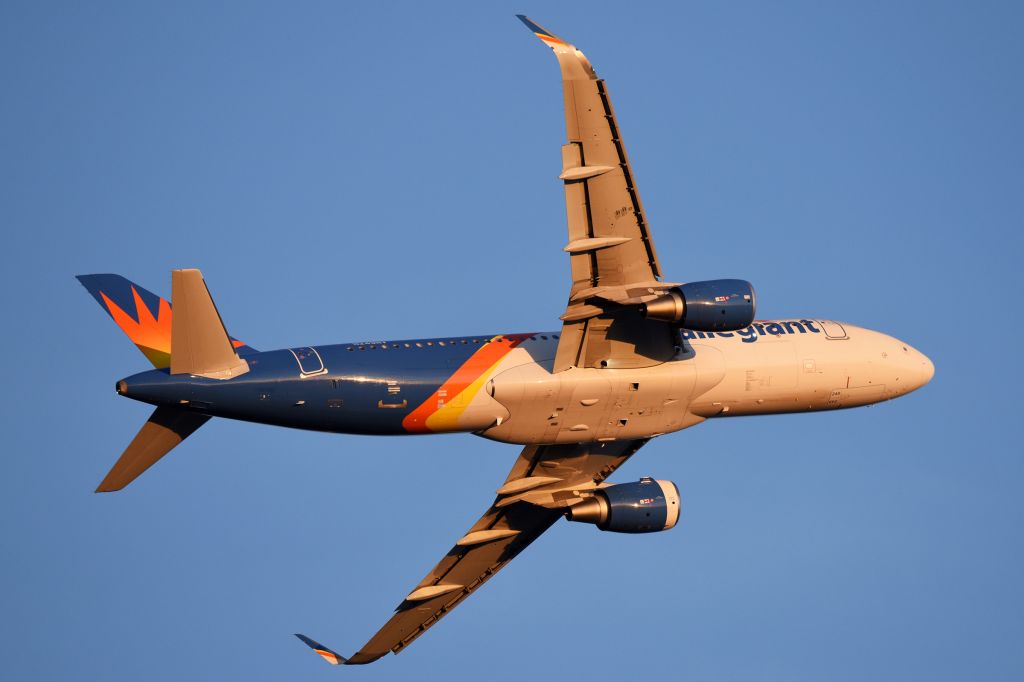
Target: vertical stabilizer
point(200, 344)
point(142, 315)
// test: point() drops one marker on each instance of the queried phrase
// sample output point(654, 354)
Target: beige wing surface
point(611, 254)
point(535, 494)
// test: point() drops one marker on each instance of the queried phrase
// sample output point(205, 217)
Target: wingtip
point(88, 280)
point(332, 657)
point(539, 30)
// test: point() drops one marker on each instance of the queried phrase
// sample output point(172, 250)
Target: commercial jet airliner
point(636, 357)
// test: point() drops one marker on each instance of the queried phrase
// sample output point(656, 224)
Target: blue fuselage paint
point(364, 388)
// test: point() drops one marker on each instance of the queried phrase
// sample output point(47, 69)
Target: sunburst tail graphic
point(151, 334)
point(144, 317)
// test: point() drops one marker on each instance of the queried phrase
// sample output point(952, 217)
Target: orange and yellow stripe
point(441, 411)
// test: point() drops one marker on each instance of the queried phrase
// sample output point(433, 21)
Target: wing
point(611, 254)
point(533, 497)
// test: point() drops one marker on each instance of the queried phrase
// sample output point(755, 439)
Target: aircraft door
point(310, 362)
point(833, 330)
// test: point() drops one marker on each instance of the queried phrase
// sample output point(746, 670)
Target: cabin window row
point(432, 344)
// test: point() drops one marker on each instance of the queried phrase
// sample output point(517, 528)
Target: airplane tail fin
point(201, 347)
point(142, 315)
point(166, 427)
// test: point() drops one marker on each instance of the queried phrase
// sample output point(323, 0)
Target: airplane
point(636, 357)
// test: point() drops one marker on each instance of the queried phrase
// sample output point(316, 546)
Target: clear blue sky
point(344, 171)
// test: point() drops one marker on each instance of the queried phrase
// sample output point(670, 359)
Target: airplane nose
point(919, 365)
point(915, 369)
point(927, 368)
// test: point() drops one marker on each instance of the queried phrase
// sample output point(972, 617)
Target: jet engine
point(718, 305)
point(646, 506)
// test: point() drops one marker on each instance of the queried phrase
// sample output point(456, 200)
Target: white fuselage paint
point(773, 366)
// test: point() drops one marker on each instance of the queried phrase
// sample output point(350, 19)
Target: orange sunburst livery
point(143, 316)
point(151, 334)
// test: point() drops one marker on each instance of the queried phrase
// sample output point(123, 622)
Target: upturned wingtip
point(332, 657)
point(538, 30)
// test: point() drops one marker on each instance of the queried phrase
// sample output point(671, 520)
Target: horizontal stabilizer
point(331, 657)
point(200, 343)
point(167, 427)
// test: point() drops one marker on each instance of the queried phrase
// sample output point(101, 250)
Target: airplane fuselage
point(502, 387)
point(623, 368)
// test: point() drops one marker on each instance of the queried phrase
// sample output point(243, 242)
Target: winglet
point(575, 66)
point(539, 31)
point(331, 657)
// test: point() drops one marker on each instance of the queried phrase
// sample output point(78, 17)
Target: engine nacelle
point(718, 305)
point(646, 506)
